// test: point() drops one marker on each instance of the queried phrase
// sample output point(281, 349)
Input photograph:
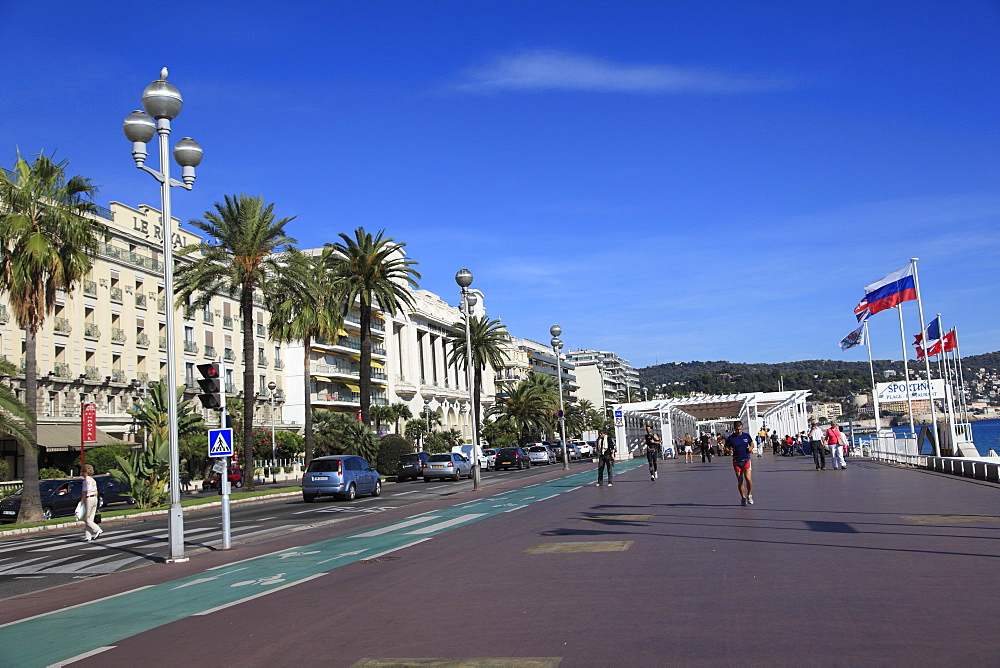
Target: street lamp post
point(163, 102)
point(604, 398)
point(557, 345)
point(274, 458)
point(427, 422)
point(464, 280)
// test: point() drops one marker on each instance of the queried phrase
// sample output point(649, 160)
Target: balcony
point(230, 388)
point(62, 371)
point(118, 376)
point(92, 373)
point(140, 300)
point(117, 335)
point(207, 317)
point(4, 315)
point(90, 288)
point(142, 340)
point(142, 375)
point(162, 343)
point(227, 321)
point(379, 375)
point(116, 295)
point(229, 355)
point(161, 304)
point(278, 364)
point(279, 393)
point(210, 352)
point(61, 325)
point(191, 347)
point(258, 300)
point(262, 361)
point(261, 330)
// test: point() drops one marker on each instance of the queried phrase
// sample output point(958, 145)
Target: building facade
point(604, 377)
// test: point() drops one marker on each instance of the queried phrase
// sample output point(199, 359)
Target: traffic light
point(211, 385)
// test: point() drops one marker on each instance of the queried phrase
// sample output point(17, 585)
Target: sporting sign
point(220, 442)
point(919, 390)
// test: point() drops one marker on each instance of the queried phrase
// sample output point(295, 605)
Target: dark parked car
point(60, 496)
point(411, 466)
point(556, 448)
point(344, 476)
point(508, 457)
point(235, 479)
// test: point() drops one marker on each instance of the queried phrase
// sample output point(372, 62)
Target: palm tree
point(400, 411)
point(46, 245)
point(373, 271)
point(246, 252)
point(488, 338)
point(305, 306)
point(525, 410)
point(15, 416)
point(380, 414)
point(152, 413)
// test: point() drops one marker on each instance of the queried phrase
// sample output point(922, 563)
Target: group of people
point(740, 445)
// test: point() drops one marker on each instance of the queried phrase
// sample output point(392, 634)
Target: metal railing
point(261, 330)
point(62, 371)
point(92, 373)
point(140, 300)
point(142, 339)
point(210, 352)
point(4, 315)
point(118, 376)
point(117, 335)
point(191, 347)
point(91, 330)
point(116, 295)
point(229, 355)
point(227, 321)
point(161, 304)
point(62, 325)
point(207, 317)
point(90, 287)
point(278, 364)
point(898, 450)
point(162, 342)
point(261, 361)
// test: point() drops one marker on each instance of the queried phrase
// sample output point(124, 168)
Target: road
point(40, 561)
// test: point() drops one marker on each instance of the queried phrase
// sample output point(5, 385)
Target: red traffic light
point(210, 370)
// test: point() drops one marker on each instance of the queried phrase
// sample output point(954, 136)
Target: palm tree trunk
point(365, 379)
point(246, 310)
point(307, 364)
point(31, 500)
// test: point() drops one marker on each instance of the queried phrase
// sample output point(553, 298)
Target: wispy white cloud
point(557, 70)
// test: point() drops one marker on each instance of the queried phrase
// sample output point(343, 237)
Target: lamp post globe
point(161, 99)
point(555, 330)
point(463, 278)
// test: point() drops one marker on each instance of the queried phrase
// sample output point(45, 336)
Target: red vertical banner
point(88, 427)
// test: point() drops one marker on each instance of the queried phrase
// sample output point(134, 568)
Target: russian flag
point(893, 290)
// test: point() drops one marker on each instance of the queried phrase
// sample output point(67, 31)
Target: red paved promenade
point(874, 565)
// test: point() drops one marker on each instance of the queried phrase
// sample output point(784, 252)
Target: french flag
point(893, 290)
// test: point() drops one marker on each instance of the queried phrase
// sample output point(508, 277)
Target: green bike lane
point(54, 637)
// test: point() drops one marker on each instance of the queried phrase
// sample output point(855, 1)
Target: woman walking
point(836, 440)
point(90, 530)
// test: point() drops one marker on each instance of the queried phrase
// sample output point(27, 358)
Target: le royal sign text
point(88, 423)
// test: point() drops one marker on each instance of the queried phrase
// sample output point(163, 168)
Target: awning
point(60, 437)
point(352, 387)
point(342, 332)
point(322, 378)
point(377, 365)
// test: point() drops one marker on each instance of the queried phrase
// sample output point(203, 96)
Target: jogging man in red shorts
point(741, 446)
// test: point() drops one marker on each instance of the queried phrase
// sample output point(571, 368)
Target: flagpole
point(871, 369)
point(906, 370)
point(927, 360)
point(949, 394)
point(961, 377)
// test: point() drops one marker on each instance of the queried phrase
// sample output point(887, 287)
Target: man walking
point(605, 457)
point(816, 443)
point(742, 448)
point(706, 448)
point(652, 451)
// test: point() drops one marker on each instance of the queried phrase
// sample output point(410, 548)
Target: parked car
point(110, 490)
point(466, 451)
point(59, 499)
point(539, 454)
point(556, 448)
point(572, 451)
point(343, 476)
point(447, 465)
point(491, 456)
point(508, 457)
point(411, 466)
point(584, 448)
point(235, 479)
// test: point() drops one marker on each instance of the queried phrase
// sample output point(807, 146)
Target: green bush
point(5, 471)
point(103, 459)
point(437, 442)
point(390, 449)
point(47, 473)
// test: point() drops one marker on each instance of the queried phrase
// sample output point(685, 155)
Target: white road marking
point(80, 657)
point(78, 605)
point(263, 593)
point(461, 519)
point(398, 525)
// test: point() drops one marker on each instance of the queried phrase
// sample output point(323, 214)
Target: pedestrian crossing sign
point(220, 442)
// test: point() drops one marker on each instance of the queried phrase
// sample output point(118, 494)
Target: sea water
point(985, 435)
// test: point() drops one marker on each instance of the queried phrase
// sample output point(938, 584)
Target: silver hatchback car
point(540, 454)
point(344, 476)
point(447, 465)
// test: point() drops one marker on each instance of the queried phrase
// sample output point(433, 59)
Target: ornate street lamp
point(557, 346)
point(469, 299)
point(274, 458)
point(162, 103)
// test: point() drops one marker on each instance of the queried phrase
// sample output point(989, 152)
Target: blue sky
point(673, 181)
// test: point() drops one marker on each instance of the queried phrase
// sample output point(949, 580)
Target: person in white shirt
point(816, 443)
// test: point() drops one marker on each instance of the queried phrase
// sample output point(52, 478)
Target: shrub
point(5, 472)
point(47, 473)
point(390, 449)
point(103, 458)
point(437, 442)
